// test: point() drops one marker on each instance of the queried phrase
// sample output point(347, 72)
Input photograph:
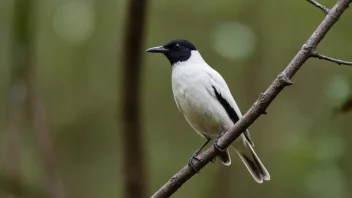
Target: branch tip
point(318, 5)
point(315, 54)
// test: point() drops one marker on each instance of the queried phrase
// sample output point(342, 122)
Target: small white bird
point(205, 100)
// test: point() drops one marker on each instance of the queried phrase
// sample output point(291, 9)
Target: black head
point(175, 50)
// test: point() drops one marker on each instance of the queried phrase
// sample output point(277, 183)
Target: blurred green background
point(78, 48)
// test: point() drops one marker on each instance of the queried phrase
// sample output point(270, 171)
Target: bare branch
point(315, 54)
point(259, 107)
point(318, 5)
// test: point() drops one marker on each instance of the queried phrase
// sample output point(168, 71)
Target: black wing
point(230, 112)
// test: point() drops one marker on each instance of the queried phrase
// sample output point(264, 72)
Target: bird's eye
point(177, 46)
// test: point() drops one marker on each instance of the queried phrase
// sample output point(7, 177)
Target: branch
point(260, 106)
point(318, 5)
point(315, 54)
point(135, 184)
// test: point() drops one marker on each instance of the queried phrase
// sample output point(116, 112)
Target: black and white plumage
point(205, 100)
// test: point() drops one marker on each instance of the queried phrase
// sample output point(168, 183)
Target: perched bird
point(205, 100)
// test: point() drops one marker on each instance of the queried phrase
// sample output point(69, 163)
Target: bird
point(203, 97)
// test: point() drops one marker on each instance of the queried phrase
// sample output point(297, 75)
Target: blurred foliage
point(77, 51)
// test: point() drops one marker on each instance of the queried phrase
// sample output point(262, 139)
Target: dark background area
point(75, 48)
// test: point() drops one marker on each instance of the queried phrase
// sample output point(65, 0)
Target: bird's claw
point(191, 164)
point(216, 144)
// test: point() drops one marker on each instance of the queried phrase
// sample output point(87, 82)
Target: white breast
point(190, 86)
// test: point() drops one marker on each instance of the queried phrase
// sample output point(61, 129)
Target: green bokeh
point(80, 79)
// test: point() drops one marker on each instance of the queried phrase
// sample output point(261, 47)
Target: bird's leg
point(216, 141)
point(195, 155)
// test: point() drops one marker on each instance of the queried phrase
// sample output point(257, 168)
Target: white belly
point(202, 111)
point(192, 86)
point(200, 115)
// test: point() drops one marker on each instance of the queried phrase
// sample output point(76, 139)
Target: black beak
point(159, 49)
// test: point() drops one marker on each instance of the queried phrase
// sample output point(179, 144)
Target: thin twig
point(318, 5)
point(135, 183)
point(315, 54)
point(260, 106)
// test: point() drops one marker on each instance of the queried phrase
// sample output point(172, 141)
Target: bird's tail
point(225, 158)
point(253, 163)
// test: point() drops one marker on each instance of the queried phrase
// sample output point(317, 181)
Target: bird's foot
point(216, 143)
point(191, 164)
